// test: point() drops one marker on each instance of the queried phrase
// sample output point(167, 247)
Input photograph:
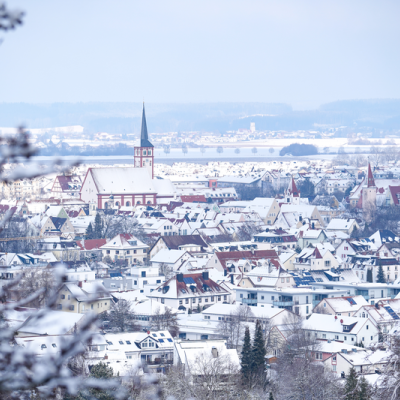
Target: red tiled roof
point(194, 199)
point(91, 244)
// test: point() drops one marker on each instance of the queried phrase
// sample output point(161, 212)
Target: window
point(206, 317)
point(282, 280)
point(63, 296)
point(200, 300)
point(161, 340)
point(367, 327)
point(241, 295)
point(334, 368)
point(54, 345)
point(318, 356)
point(108, 251)
point(324, 336)
point(128, 342)
point(43, 346)
point(121, 342)
point(169, 340)
point(262, 297)
point(225, 297)
point(162, 301)
point(69, 297)
point(59, 306)
point(187, 301)
point(336, 337)
point(71, 308)
point(158, 281)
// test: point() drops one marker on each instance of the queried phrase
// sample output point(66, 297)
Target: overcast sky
point(302, 52)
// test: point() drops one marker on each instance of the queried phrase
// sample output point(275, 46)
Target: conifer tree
point(246, 360)
point(351, 386)
point(258, 351)
point(89, 232)
point(98, 227)
point(271, 397)
point(365, 389)
point(381, 276)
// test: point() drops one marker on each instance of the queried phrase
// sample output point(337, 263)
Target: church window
point(149, 152)
point(117, 203)
point(144, 152)
point(138, 202)
point(149, 202)
point(128, 203)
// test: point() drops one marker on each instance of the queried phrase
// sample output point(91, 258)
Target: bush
point(297, 149)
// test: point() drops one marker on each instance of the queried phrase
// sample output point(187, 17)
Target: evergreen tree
point(351, 387)
point(101, 371)
point(369, 276)
point(258, 351)
point(246, 360)
point(381, 276)
point(364, 390)
point(89, 232)
point(98, 227)
point(98, 371)
point(271, 397)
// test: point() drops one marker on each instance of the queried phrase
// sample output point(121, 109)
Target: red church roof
point(371, 180)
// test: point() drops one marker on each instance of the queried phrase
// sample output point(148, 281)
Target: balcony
point(287, 303)
point(249, 301)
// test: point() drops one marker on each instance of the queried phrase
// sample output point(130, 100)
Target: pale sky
point(302, 52)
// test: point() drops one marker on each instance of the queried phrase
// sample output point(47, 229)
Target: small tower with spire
point(292, 194)
point(144, 155)
point(369, 196)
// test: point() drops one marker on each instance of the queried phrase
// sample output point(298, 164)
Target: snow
point(51, 323)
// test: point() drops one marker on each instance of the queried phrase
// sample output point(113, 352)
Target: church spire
point(370, 178)
point(144, 136)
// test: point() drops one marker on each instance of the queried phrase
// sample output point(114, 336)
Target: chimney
point(205, 275)
point(179, 277)
point(232, 279)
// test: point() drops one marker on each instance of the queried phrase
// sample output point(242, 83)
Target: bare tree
point(211, 376)
point(247, 230)
point(122, 317)
point(34, 280)
point(166, 270)
point(232, 326)
point(167, 320)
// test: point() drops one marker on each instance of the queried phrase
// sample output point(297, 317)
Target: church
point(109, 187)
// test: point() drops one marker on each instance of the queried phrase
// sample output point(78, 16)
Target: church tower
point(292, 194)
point(144, 155)
point(369, 196)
